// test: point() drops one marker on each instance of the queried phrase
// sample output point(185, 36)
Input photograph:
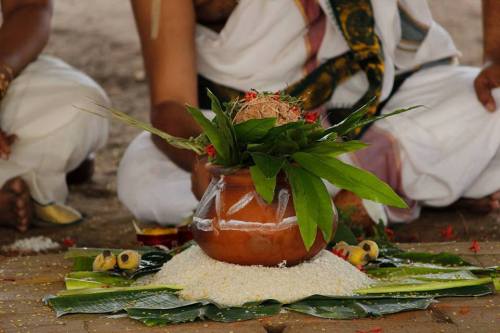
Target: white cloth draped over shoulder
point(53, 137)
point(438, 154)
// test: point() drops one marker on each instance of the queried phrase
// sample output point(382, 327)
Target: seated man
point(42, 135)
point(335, 55)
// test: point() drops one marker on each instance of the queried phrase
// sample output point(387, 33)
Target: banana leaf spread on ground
point(403, 281)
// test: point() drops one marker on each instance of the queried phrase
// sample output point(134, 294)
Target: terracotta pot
point(235, 225)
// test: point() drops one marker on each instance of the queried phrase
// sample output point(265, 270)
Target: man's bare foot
point(481, 206)
point(16, 208)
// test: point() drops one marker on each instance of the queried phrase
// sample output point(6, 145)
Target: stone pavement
point(25, 280)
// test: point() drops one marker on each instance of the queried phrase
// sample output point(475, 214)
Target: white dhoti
point(53, 137)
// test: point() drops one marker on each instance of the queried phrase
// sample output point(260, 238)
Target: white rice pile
point(32, 245)
point(233, 285)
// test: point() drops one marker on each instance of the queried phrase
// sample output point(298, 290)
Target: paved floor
point(25, 280)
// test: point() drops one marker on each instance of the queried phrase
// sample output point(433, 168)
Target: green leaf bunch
point(304, 152)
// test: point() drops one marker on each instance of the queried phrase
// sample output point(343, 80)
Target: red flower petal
point(210, 150)
point(389, 233)
point(250, 95)
point(68, 242)
point(474, 247)
point(311, 117)
point(447, 233)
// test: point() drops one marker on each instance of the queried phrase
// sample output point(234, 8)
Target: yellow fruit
point(105, 261)
point(129, 259)
point(370, 247)
point(357, 256)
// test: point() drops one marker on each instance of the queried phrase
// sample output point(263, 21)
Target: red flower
point(311, 117)
point(68, 242)
point(361, 268)
point(249, 95)
point(340, 253)
point(389, 233)
point(447, 233)
point(474, 247)
point(277, 95)
point(372, 330)
point(210, 150)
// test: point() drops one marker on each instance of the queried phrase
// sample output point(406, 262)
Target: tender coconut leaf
point(269, 165)
point(394, 273)
point(313, 204)
point(253, 130)
point(357, 307)
point(263, 185)
point(102, 300)
point(80, 280)
point(214, 135)
point(423, 287)
point(332, 148)
point(361, 182)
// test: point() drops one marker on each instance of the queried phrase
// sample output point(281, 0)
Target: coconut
point(268, 106)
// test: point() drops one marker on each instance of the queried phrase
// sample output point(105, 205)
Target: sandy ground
point(99, 37)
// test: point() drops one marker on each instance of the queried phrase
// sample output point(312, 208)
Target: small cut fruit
point(357, 256)
point(129, 259)
point(371, 248)
point(105, 261)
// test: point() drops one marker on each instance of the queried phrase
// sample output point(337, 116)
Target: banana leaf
point(352, 308)
point(101, 300)
point(80, 280)
point(153, 317)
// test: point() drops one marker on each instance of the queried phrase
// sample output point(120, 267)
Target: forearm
point(491, 28)
point(24, 33)
point(172, 117)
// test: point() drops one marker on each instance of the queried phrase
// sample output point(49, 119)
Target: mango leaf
point(344, 233)
point(332, 148)
point(79, 280)
point(253, 130)
point(102, 300)
point(269, 165)
point(263, 185)
point(361, 182)
point(225, 128)
point(350, 121)
point(313, 204)
point(213, 134)
point(370, 120)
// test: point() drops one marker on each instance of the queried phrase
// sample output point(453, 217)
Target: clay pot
point(235, 225)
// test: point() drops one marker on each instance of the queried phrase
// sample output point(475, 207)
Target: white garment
point(447, 151)
point(53, 137)
point(262, 46)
